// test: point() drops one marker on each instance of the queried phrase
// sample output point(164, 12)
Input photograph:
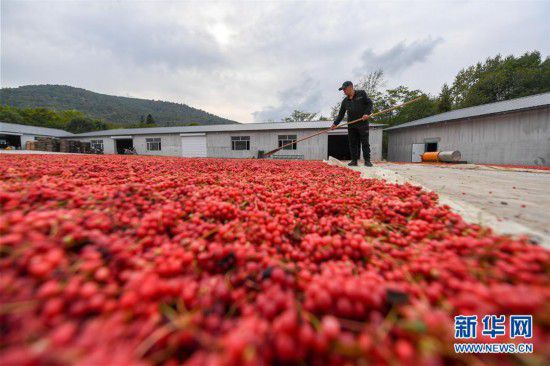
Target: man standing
point(358, 105)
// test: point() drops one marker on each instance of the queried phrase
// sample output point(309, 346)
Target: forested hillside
point(121, 111)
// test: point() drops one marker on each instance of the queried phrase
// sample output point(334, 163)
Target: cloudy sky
point(255, 61)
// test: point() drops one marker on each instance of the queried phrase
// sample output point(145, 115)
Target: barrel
point(430, 156)
point(449, 156)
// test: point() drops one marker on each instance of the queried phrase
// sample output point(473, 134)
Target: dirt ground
point(510, 201)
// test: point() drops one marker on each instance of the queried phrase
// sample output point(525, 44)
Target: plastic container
point(430, 156)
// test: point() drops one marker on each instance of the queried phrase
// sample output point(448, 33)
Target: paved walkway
point(509, 201)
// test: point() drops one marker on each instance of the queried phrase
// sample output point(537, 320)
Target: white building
point(17, 135)
point(515, 131)
point(227, 141)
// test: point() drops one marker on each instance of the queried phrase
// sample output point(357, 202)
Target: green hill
point(122, 111)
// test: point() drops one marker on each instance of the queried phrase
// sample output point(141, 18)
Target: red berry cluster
point(143, 260)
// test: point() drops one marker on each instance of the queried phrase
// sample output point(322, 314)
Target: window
point(430, 147)
point(153, 144)
point(240, 142)
point(287, 139)
point(97, 145)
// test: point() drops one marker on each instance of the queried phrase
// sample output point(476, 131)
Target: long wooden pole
point(342, 125)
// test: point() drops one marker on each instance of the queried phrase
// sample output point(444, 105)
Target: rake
point(269, 153)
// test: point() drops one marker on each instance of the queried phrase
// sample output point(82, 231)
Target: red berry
point(330, 326)
point(139, 260)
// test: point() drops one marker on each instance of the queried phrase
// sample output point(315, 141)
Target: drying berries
point(167, 261)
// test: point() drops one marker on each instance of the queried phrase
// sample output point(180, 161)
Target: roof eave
point(107, 133)
point(407, 125)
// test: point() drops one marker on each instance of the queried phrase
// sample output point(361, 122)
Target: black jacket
point(356, 107)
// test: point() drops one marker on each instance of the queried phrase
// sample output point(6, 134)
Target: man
point(358, 105)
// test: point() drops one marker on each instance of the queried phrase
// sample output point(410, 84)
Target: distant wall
point(218, 144)
point(108, 143)
point(170, 145)
point(375, 141)
point(316, 148)
point(25, 138)
point(518, 138)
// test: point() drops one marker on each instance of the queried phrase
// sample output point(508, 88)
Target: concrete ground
point(511, 201)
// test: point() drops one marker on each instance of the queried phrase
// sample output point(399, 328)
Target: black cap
point(345, 85)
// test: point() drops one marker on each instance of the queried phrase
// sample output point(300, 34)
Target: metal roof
point(530, 102)
point(265, 126)
point(32, 130)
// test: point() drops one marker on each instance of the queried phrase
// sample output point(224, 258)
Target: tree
point(334, 111)
point(422, 108)
point(68, 120)
point(149, 120)
point(68, 115)
point(500, 78)
point(42, 117)
point(372, 83)
point(425, 107)
point(300, 116)
point(80, 125)
point(83, 124)
point(445, 100)
point(10, 115)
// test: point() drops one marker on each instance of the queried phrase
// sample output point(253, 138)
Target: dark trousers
point(359, 137)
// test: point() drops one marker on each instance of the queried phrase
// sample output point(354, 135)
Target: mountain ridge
point(120, 110)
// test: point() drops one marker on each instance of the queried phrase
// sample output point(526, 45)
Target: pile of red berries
point(144, 260)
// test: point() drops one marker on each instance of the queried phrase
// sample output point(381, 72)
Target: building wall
point(170, 145)
point(108, 143)
point(25, 138)
point(375, 141)
point(219, 144)
point(520, 138)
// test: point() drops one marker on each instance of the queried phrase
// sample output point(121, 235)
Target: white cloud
point(399, 57)
point(256, 60)
point(304, 96)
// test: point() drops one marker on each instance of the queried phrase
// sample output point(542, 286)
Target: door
point(338, 147)
point(123, 144)
point(193, 145)
point(417, 151)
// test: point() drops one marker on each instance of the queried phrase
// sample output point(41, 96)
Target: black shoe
point(352, 163)
point(368, 163)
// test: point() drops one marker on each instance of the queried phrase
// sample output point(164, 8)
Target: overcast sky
point(255, 61)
